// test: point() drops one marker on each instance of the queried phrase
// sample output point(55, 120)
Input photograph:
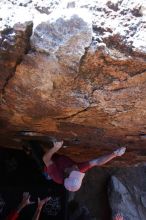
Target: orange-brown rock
point(91, 94)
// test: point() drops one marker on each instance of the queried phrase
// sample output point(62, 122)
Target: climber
point(63, 170)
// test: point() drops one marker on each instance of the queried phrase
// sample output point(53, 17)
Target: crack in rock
point(73, 115)
point(14, 44)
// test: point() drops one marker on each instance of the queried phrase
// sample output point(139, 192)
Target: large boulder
point(65, 36)
point(80, 76)
point(127, 193)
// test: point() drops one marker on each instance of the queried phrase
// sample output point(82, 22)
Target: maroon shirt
point(57, 168)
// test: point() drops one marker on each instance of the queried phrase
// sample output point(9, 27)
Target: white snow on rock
point(51, 35)
point(126, 18)
point(14, 11)
point(65, 35)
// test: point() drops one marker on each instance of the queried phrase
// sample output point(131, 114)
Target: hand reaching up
point(26, 199)
point(42, 202)
point(58, 145)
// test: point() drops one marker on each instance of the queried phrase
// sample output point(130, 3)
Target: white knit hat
point(74, 181)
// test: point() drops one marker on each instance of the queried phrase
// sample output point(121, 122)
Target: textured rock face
point(65, 37)
point(77, 81)
point(14, 43)
point(127, 194)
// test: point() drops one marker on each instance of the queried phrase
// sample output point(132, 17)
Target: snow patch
point(127, 18)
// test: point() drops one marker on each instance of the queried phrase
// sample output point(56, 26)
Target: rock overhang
point(86, 86)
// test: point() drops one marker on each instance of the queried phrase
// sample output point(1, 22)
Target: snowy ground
point(126, 18)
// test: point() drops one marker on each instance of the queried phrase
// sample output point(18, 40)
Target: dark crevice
point(84, 57)
point(73, 115)
point(2, 99)
point(117, 89)
point(138, 72)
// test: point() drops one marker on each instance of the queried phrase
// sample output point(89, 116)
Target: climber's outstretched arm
point(105, 159)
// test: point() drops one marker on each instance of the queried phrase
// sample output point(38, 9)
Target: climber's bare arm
point(105, 159)
point(48, 155)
